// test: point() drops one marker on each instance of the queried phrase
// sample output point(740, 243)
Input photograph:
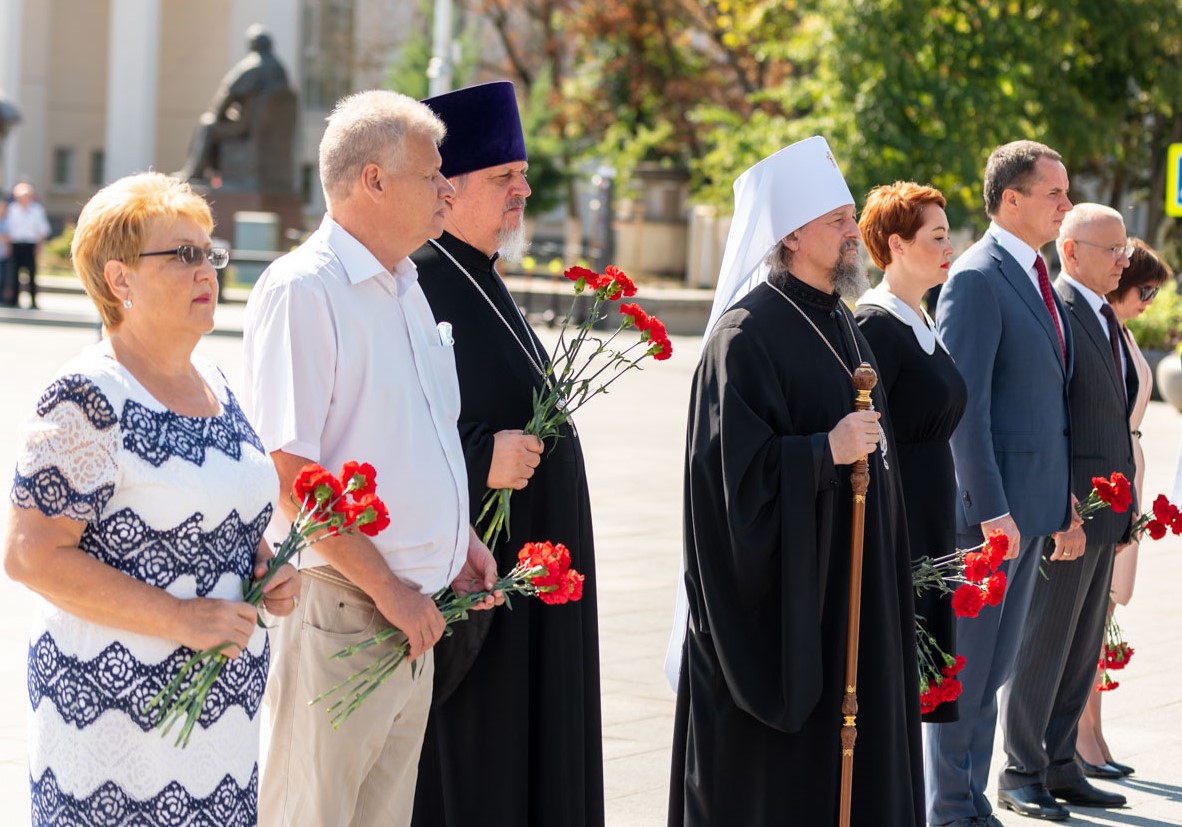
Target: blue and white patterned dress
point(180, 503)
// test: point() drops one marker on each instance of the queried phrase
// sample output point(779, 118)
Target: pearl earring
point(127, 303)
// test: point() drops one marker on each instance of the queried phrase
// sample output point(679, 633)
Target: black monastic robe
point(514, 736)
point(767, 545)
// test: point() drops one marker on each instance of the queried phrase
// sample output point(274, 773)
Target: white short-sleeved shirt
point(27, 225)
point(343, 361)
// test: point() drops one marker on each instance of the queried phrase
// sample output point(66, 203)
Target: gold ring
point(295, 600)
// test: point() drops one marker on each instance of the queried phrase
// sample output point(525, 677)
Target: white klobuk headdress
point(777, 196)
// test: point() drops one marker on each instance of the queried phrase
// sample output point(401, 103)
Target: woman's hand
point(205, 622)
point(282, 593)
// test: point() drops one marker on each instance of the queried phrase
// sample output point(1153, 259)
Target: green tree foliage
point(903, 89)
point(933, 85)
point(679, 81)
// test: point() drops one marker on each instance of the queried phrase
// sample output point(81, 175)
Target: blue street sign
point(1174, 181)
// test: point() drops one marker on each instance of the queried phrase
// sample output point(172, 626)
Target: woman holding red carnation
point(138, 509)
point(1138, 287)
point(906, 232)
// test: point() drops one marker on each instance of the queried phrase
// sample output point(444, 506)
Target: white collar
point(1022, 252)
point(359, 263)
point(923, 327)
point(1094, 300)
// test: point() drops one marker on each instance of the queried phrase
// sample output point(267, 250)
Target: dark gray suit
point(1056, 665)
point(1012, 454)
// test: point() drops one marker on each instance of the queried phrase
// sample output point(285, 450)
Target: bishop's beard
point(849, 273)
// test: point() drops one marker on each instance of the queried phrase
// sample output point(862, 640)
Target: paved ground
point(633, 438)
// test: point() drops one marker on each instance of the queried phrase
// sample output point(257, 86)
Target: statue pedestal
point(224, 204)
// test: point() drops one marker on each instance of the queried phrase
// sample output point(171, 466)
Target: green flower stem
point(183, 698)
point(356, 688)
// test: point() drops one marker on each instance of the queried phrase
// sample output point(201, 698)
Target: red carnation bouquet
point(974, 569)
point(972, 577)
point(1116, 493)
point(937, 672)
point(329, 505)
point(1164, 516)
point(582, 366)
point(543, 570)
point(1115, 655)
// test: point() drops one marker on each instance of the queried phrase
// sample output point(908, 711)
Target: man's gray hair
point(778, 260)
point(1011, 167)
point(370, 128)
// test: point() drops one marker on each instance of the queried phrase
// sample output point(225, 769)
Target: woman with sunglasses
point(137, 510)
point(1139, 285)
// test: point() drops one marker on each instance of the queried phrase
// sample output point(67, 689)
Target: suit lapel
point(1019, 280)
point(1086, 318)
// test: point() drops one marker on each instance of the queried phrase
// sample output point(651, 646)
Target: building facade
point(110, 87)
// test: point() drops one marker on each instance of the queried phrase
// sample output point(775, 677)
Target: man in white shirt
point(343, 361)
point(28, 227)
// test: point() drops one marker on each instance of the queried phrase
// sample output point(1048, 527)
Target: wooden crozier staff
point(864, 380)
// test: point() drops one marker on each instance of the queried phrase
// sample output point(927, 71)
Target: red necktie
point(1044, 287)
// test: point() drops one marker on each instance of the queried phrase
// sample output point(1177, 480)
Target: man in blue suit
point(1010, 337)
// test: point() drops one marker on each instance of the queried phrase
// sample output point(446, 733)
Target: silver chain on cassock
point(841, 311)
point(536, 359)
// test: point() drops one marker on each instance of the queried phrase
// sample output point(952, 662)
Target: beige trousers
point(364, 773)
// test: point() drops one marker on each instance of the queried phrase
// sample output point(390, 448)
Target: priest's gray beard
point(511, 242)
point(849, 274)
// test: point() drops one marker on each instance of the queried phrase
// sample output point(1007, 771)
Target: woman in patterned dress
point(138, 508)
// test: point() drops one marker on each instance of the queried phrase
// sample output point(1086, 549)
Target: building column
point(11, 19)
point(132, 69)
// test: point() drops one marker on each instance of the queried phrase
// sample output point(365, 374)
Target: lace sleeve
point(66, 457)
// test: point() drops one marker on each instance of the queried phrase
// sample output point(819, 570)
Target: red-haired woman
point(906, 232)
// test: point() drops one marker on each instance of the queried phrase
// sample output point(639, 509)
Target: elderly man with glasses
point(1056, 663)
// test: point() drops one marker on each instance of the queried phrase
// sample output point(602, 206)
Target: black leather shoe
point(1034, 801)
point(1085, 795)
point(1125, 769)
point(1098, 770)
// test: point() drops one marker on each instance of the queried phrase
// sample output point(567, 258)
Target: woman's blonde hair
point(114, 226)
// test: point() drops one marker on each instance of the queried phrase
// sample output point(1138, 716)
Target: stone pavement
point(634, 441)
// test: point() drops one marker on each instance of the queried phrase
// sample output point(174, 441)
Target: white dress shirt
point(343, 361)
point(1025, 255)
point(27, 225)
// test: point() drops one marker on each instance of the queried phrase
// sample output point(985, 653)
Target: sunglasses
point(1147, 292)
point(194, 256)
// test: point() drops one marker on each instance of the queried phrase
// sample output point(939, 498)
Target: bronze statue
point(246, 135)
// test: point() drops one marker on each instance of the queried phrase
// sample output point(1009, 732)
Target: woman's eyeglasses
point(1147, 292)
point(193, 256)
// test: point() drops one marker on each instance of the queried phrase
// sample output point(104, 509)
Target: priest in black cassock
point(772, 434)
point(514, 735)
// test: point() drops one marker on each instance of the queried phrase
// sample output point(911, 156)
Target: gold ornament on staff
point(864, 380)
